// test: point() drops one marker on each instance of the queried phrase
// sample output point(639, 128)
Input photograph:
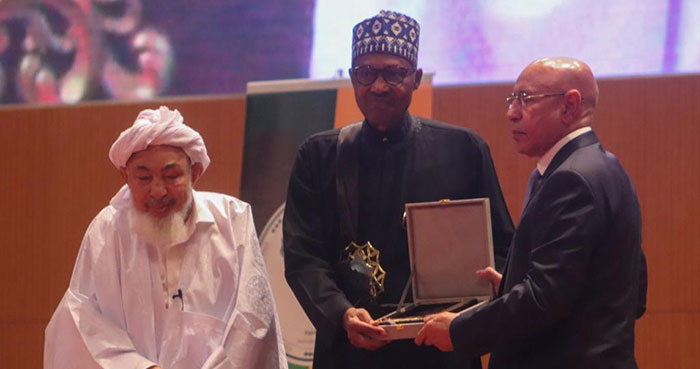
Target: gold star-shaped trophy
point(361, 277)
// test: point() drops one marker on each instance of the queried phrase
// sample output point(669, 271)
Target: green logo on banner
point(297, 331)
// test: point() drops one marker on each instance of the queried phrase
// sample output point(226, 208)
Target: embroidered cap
point(388, 32)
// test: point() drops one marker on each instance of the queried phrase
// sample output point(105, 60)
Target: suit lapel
point(586, 139)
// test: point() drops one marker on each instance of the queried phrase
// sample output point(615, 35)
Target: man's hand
point(363, 331)
point(436, 331)
point(490, 275)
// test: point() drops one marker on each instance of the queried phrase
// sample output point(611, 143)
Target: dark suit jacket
point(575, 278)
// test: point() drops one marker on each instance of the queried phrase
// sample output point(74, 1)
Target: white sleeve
point(80, 335)
point(253, 338)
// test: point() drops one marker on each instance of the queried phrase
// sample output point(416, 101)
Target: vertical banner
point(280, 115)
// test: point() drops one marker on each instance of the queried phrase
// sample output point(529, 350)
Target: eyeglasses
point(367, 74)
point(526, 98)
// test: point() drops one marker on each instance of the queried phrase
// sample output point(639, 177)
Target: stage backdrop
point(77, 50)
point(57, 176)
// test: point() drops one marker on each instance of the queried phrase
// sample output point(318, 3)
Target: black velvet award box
point(448, 241)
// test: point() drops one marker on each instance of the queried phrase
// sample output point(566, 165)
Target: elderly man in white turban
point(166, 277)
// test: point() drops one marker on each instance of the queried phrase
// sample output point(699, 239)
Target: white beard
point(161, 232)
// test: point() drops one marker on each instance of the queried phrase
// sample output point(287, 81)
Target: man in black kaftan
point(356, 191)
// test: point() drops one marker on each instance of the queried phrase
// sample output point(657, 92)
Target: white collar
point(200, 211)
point(546, 159)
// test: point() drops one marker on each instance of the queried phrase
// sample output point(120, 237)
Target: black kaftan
point(425, 160)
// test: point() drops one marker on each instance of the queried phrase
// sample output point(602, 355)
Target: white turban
point(158, 127)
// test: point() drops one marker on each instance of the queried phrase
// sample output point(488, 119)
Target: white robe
point(114, 316)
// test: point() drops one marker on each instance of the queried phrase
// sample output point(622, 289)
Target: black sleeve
point(307, 252)
point(642, 298)
point(559, 260)
point(501, 223)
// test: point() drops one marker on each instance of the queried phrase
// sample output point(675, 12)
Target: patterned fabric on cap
point(158, 127)
point(389, 33)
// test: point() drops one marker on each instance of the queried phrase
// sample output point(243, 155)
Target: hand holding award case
point(448, 240)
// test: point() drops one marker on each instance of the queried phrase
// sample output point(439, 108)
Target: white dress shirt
point(544, 161)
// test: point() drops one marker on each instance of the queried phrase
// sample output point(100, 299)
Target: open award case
point(448, 241)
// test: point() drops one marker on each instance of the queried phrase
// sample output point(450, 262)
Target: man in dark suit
point(575, 277)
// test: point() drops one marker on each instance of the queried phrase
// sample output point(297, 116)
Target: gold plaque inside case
point(448, 242)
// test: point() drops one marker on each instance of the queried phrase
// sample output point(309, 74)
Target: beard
point(169, 230)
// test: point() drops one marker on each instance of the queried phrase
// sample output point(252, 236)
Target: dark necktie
point(532, 185)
